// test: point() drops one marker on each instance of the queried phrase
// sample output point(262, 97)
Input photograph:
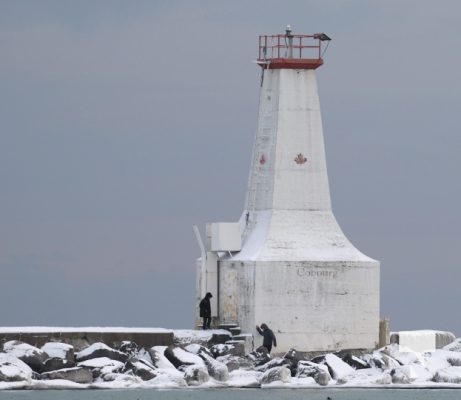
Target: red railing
point(290, 46)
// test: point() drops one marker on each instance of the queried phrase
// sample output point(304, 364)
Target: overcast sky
point(123, 123)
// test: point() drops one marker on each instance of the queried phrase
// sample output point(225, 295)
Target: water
point(235, 394)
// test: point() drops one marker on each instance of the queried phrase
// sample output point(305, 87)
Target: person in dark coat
point(205, 310)
point(268, 337)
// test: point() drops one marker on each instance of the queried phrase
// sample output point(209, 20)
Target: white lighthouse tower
point(287, 263)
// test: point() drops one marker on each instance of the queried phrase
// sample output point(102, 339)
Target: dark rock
point(260, 356)
point(282, 374)
point(76, 374)
point(292, 358)
point(54, 363)
point(98, 350)
point(30, 355)
point(129, 348)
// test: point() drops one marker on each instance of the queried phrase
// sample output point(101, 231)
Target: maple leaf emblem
point(300, 159)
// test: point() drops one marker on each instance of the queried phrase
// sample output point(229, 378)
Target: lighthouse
point(286, 262)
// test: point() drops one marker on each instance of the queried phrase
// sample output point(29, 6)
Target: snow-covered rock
point(318, 372)
point(142, 369)
point(180, 357)
point(59, 350)
point(403, 375)
point(216, 369)
point(97, 350)
point(338, 368)
point(196, 375)
point(455, 345)
point(129, 348)
point(12, 369)
point(236, 363)
point(403, 355)
point(259, 356)
point(448, 375)
point(275, 362)
point(244, 379)
point(157, 355)
point(31, 355)
point(102, 366)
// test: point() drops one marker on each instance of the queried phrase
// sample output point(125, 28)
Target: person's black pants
point(206, 322)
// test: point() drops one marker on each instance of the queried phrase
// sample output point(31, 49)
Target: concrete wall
point(311, 306)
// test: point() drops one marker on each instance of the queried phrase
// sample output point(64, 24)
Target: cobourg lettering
point(302, 271)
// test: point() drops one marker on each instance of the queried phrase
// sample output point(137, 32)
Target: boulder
point(142, 369)
point(448, 375)
point(293, 357)
point(318, 372)
point(455, 345)
point(102, 366)
point(198, 349)
point(12, 369)
point(157, 355)
point(76, 374)
point(129, 348)
point(236, 362)
point(196, 375)
point(219, 350)
point(275, 362)
point(260, 356)
point(276, 374)
point(403, 355)
point(180, 357)
point(338, 368)
point(403, 375)
point(59, 350)
point(97, 350)
point(454, 358)
point(244, 379)
point(31, 355)
point(216, 369)
point(349, 358)
point(54, 363)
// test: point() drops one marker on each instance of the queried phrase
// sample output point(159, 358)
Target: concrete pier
point(84, 336)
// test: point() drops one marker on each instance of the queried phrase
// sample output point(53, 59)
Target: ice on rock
point(196, 375)
point(244, 379)
point(276, 374)
point(216, 369)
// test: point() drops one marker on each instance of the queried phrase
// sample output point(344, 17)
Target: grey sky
point(123, 123)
